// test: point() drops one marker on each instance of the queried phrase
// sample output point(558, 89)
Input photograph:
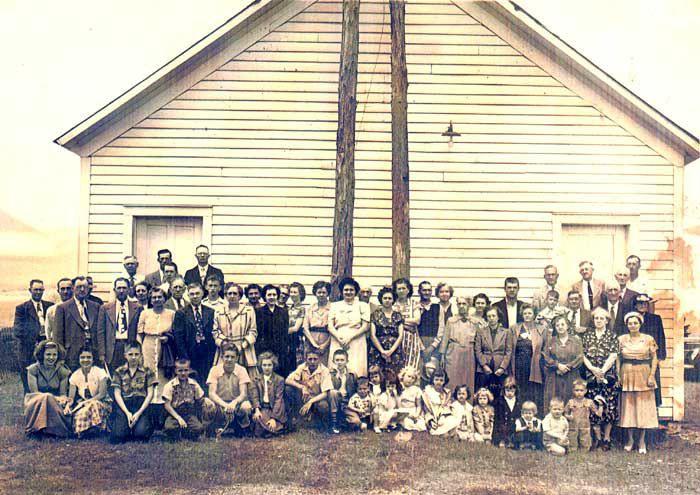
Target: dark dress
point(504, 420)
point(597, 352)
point(653, 326)
point(273, 336)
point(569, 354)
point(387, 334)
point(523, 359)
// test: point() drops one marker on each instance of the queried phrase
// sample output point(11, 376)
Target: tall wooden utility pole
point(345, 145)
point(400, 217)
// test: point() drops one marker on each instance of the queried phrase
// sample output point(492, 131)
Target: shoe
point(605, 445)
point(377, 429)
point(335, 430)
point(628, 448)
point(642, 450)
point(363, 426)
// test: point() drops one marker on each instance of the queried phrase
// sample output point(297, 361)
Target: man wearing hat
point(653, 325)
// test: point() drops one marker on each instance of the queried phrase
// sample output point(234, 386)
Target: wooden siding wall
point(256, 139)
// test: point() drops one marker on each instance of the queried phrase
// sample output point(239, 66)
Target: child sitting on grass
point(578, 413)
point(360, 408)
point(410, 401)
point(387, 403)
point(527, 428)
point(183, 402)
point(376, 381)
point(483, 415)
point(555, 428)
point(436, 402)
point(462, 411)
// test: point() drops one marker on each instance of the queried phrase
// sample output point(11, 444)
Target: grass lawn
point(310, 462)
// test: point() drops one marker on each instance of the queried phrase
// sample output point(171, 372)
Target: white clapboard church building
point(232, 144)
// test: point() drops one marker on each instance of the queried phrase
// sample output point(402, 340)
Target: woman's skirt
point(91, 413)
point(43, 413)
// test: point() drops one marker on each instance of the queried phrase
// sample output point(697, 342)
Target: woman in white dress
point(348, 323)
point(154, 332)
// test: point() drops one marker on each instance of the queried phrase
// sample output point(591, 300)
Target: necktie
point(199, 332)
point(86, 322)
point(132, 286)
point(40, 313)
point(122, 319)
point(612, 316)
point(590, 295)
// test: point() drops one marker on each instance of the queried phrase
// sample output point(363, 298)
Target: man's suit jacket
point(153, 279)
point(598, 287)
point(275, 394)
point(585, 320)
point(185, 331)
point(494, 353)
point(170, 304)
point(350, 382)
point(70, 331)
point(28, 330)
point(504, 309)
point(653, 325)
point(628, 301)
point(108, 324)
point(192, 275)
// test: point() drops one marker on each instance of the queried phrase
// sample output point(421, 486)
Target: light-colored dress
point(237, 327)
point(152, 326)
point(638, 403)
point(347, 319)
point(438, 414)
point(457, 346)
point(410, 409)
point(465, 420)
point(89, 412)
point(316, 322)
point(412, 343)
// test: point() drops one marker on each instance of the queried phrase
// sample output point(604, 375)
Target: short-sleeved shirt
point(89, 387)
point(557, 427)
point(320, 380)
point(182, 395)
point(228, 387)
point(365, 405)
point(135, 385)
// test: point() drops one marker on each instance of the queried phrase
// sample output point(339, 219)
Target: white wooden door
point(604, 245)
point(178, 234)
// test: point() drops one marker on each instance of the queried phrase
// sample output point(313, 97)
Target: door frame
point(205, 212)
point(629, 221)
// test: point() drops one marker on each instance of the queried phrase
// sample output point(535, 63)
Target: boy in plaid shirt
point(183, 402)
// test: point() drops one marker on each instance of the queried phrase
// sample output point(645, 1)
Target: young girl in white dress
point(437, 402)
point(411, 401)
point(483, 414)
point(462, 410)
point(385, 412)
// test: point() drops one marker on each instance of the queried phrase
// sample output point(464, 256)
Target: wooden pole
point(345, 145)
point(400, 212)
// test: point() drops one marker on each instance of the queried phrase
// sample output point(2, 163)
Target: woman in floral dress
point(387, 334)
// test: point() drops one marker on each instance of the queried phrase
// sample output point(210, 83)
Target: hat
point(634, 314)
point(642, 298)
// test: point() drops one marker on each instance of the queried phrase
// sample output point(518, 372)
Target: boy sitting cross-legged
point(183, 402)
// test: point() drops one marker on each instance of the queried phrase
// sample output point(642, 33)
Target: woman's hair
point(376, 370)
point(634, 314)
point(268, 355)
point(302, 290)
point(389, 376)
point(252, 286)
point(526, 306)
point(267, 288)
point(439, 372)
point(386, 290)
point(155, 290)
point(509, 382)
point(528, 405)
point(483, 391)
point(228, 285)
point(85, 349)
point(48, 344)
point(440, 285)
point(402, 281)
point(600, 311)
point(483, 296)
point(497, 310)
point(322, 283)
point(560, 317)
point(349, 281)
point(229, 347)
point(461, 387)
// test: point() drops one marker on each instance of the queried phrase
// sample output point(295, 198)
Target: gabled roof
point(504, 18)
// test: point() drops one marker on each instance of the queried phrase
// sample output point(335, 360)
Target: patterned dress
point(297, 312)
point(412, 343)
point(597, 350)
point(387, 331)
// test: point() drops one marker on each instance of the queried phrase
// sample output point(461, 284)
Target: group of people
point(169, 352)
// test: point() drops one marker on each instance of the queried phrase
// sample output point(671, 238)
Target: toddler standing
point(578, 413)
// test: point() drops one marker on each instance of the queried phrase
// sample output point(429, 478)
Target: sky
point(65, 60)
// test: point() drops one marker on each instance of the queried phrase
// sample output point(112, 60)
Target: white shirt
point(266, 393)
point(39, 312)
point(203, 271)
point(584, 297)
point(92, 383)
point(512, 312)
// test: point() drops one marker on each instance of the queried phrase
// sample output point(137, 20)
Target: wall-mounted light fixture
point(450, 132)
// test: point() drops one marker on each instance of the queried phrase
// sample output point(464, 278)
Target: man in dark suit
point(76, 323)
point(204, 270)
point(155, 279)
point(627, 295)
point(30, 317)
point(611, 302)
point(193, 333)
point(510, 305)
point(579, 318)
point(177, 300)
point(117, 324)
